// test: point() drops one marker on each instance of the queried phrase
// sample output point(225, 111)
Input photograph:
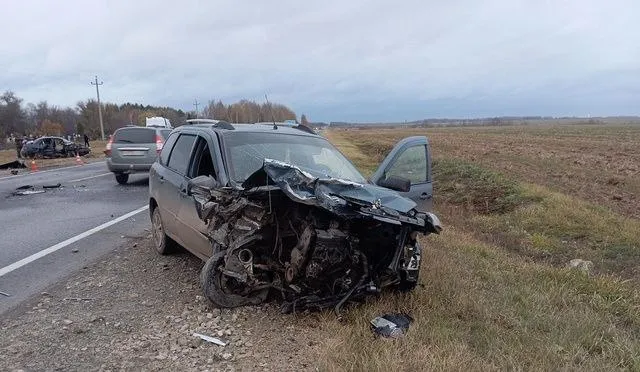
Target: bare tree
point(246, 111)
point(13, 118)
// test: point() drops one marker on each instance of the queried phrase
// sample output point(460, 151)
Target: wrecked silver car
point(279, 212)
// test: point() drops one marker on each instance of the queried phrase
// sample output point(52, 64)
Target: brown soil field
point(598, 164)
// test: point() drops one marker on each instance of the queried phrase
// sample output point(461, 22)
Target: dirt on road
point(138, 311)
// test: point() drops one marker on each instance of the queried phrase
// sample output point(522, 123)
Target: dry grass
point(479, 308)
point(494, 292)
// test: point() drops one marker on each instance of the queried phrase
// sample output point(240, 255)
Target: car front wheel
point(122, 178)
point(225, 291)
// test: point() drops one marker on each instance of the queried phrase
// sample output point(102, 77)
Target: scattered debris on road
point(391, 325)
point(26, 191)
point(213, 340)
point(16, 164)
point(31, 189)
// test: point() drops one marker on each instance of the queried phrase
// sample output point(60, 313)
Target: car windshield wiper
point(125, 141)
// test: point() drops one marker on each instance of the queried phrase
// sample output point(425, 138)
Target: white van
point(158, 121)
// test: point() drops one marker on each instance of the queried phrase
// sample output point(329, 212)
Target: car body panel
point(173, 192)
point(193, 228)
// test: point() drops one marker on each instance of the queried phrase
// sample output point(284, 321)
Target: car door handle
point(161, 179)
point(424, 195)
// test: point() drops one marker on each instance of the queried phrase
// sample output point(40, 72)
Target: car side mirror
point(201, 182)
point(395, 183)
point(200, 189)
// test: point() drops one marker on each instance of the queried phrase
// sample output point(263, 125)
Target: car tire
point(211, 280)
point(122, 178)
point(405, 284)
point(163, 244)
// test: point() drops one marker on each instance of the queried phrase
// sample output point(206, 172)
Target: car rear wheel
point(122, 178)
point(161, 242)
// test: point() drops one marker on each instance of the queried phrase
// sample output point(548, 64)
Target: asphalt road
point(44, 237)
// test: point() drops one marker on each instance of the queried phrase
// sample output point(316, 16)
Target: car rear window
point(165, 133)
point(135, 135)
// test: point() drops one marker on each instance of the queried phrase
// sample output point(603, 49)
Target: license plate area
point(133, 152)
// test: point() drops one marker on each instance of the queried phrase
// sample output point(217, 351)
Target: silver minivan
point(134, 149)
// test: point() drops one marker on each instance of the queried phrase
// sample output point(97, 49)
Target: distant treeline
point(497, 121)
point(19, 119)
point(246, 111)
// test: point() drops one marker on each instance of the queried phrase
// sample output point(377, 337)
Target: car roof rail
point(301, 127)
point(224, 125)
point(202, 121)
point(216, 123)
point(304, 128)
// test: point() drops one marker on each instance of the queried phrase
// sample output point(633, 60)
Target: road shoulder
point(137, 310)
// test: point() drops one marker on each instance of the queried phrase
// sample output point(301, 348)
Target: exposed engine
point(309, 256)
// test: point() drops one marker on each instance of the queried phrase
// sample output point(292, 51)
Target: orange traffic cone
point(34, 167)
point(78, 160)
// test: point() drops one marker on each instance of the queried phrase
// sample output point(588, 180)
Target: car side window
point(180, 154)
point(166, 149)
point(203, 160)
point(411, 164)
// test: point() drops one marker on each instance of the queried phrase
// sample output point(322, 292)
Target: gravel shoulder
point(136, 310)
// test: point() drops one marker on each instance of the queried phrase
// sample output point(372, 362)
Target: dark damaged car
point(279, 212)
point(53, 147)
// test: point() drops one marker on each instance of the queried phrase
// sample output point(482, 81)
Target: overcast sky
point(332, 60)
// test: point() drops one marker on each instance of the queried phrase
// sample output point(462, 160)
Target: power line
point(99, 107)
point(196, 105)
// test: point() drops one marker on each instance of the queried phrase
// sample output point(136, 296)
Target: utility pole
point(196, 105)
point(99, 107)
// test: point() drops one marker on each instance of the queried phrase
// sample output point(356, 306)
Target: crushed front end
point(313, 243)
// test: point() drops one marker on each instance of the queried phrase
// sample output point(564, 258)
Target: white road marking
point(27, 260)
point(50, 170)
point(88, 178)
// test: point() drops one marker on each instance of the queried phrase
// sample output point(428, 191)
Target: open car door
point(408, 163)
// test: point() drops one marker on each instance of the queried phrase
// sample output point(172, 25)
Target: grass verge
point(495, 293)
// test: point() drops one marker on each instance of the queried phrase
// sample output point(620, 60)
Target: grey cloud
point(332, 59)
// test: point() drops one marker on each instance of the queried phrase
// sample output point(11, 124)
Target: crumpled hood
point(328, 193)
